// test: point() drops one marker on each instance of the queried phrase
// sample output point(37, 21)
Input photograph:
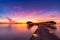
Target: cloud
point(18, 13)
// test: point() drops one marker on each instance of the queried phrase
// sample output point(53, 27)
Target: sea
point(20, 31)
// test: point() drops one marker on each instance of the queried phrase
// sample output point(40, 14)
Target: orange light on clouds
point(24, 21)
point(57, 20)
point(4, 20)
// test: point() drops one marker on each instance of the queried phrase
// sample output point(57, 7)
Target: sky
point(30, 10)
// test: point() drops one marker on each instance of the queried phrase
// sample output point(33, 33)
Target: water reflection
point(57, 31)
point(19, 30)
point(15, 31)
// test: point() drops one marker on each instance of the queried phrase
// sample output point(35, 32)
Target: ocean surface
point(20, 31)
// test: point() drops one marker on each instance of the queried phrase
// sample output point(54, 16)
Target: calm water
point(20, 31)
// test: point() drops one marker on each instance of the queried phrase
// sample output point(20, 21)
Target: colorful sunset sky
point(30, 10)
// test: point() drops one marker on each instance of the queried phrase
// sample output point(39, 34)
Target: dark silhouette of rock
point(42, 32)
point(30, 24)
point(51, 24)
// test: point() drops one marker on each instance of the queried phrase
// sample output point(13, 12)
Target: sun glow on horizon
point(24, 21)
point(13, 19)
